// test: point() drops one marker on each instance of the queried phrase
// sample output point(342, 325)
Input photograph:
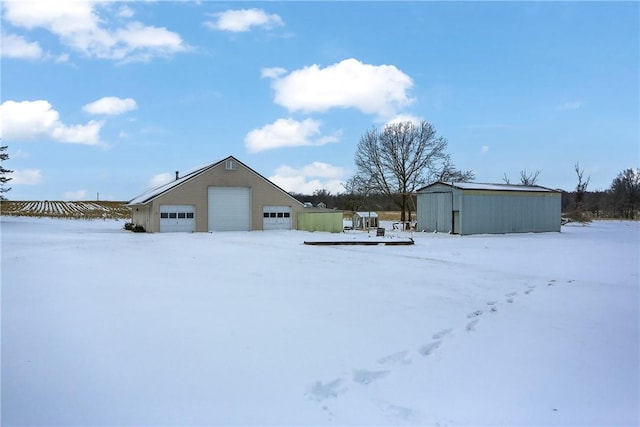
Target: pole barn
point(475, 208)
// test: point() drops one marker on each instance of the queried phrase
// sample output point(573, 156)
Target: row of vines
point(59, 209)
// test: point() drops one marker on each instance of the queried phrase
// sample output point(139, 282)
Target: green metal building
point(320, 219)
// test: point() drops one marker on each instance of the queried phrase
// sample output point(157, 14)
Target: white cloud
point(28, 120)
point(17, 47)
point(372, 89)
point(161, 179)
point(401, 118)
point(238, 21)
point(75, 195)
point(62, 58)
point(26, 177)
point(20, 154)
point(286, 133)
point(272, 73)
point(143, 42)
point(484, 149)
point(574, 105)
point(80, 26)
point(79, 134)
point(110, 105)
point(125, 12)
point(309, 178)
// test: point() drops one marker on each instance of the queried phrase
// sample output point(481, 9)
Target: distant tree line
point(349, 202)
point(621, 200)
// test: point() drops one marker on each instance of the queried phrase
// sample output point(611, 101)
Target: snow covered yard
point(105, 327)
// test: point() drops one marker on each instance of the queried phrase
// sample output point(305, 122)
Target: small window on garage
point(190, 215)
point(280, 214)
point(265, 215)
point(182, 215)
point(164, 215)
point(173, 214)
point(272, 214)
point(287, 214)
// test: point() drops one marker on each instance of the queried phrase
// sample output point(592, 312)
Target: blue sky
point(113, 97)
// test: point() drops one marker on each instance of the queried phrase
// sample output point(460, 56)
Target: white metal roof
point(150, 194)
point(367, 214)
point(491, 187)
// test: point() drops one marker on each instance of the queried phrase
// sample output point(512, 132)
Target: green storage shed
point(319, 219)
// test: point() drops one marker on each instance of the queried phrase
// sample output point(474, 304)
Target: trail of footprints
point(332, 389)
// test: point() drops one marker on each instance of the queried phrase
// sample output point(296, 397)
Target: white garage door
point(175, 218)
point(276, 218)
point(229, 209)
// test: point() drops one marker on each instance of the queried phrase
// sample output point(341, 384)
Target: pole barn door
point(229, 208)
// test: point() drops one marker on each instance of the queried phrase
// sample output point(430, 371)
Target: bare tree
point(581, 188)
point(3, 179)
point(526, 178)
point(358, 189)
point(449, 173)
point(578, 214)
point(625, 191)
point(529, 178)
point(399, 159)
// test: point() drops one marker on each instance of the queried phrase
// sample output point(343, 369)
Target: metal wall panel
point(320, 221)
point(504, 212)
point(434, 212)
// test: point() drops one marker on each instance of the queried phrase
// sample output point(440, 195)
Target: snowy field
point(105, 327)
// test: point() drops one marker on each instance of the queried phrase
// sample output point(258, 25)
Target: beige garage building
point(223, 196)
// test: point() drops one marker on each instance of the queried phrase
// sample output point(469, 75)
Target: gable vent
point(230, 165)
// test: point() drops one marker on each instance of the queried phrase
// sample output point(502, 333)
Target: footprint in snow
point(400, 357)
point(320, 391)
point(471, 326)
point(492, 304)
point(364, 377)
point(394, 411)
point(443, 333)
point(427, 349)
point(474, 314)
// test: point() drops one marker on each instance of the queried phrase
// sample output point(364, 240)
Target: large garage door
point(229, 209)
point(177, 218)
point(276, 218)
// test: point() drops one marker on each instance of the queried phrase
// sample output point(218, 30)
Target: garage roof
point(149, 195)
